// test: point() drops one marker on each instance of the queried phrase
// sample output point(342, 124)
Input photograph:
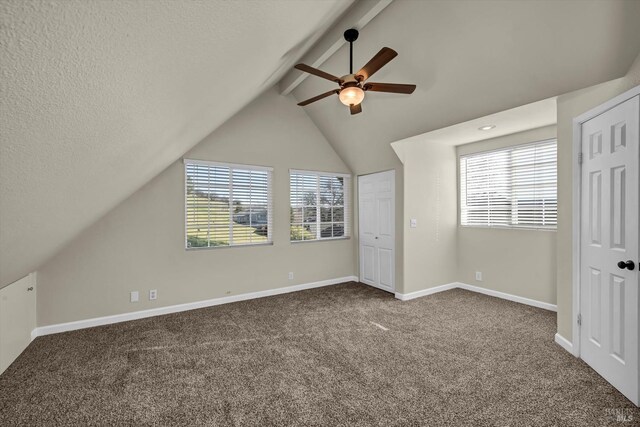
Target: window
point(319, 205)
point(226, 205)
point(513, 187)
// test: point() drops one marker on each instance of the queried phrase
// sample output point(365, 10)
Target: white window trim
point(347, 204)
point(228, 165)
point(231, 166)
point(508, 147)
point(504, 227)
point(321, 173)
point(510, 227)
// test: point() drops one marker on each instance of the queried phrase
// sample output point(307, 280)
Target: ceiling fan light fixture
point(352, 95)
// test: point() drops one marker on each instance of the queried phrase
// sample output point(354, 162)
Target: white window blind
point(226, 204)
point(319, 205)
point(513, 187)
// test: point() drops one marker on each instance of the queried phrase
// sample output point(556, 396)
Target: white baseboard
point(514, 298)
point(564, 343)
point(125, 317)
point(490, 292)
point(425, 292)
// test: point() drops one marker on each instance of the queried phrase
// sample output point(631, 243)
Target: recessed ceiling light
point(486, 127)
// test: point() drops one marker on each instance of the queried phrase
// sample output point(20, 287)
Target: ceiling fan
point(353, 86)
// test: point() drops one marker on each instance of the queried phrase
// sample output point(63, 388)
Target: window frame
point(511, 226)
point(231, 167)
point(346, 206)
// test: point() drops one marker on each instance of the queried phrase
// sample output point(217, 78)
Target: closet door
point(376, 203)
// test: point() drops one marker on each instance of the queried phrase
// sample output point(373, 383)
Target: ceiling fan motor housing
point(349, 80)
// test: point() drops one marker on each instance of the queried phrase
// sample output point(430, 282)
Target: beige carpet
point(340, 355)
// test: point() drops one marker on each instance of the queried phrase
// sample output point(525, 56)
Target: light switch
point(413, 223)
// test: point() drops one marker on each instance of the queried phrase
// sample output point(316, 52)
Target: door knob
point(628, 264)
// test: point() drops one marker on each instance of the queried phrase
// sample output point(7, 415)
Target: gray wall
point(140, 244)
point(438, 251)
point(430, 198)
point(518, 262)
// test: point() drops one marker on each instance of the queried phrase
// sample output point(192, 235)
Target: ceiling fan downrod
point(351, 35)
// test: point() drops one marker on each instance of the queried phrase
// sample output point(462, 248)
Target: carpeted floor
point(340, 355)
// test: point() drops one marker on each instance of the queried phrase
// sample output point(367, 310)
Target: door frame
point(577, 211)
point(395, 237)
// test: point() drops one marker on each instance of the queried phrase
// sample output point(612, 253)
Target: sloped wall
point(99, 97)
point(139, 245)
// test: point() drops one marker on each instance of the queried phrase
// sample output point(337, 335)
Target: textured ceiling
point(98, 97)
point(470, 59)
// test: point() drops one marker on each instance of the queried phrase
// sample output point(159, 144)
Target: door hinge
point(579, 319)
point(580, 158)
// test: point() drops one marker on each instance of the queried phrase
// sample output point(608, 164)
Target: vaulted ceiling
point(98, 97)
point(470, 59)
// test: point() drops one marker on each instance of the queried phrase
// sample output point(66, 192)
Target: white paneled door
point(609, 246)
point(376, 204)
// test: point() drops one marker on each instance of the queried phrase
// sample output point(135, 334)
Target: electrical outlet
point(290, 275)
point(135, 296)
point(479, 276)
point(153, 294)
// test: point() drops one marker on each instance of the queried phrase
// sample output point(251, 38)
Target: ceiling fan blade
point(381, 58)
point(319, 73)
point(317, 98)
point(355, 109)
point(389, 87)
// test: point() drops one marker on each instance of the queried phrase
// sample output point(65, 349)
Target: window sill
point(244, 245)
point(326, 239)
point(490, 227)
